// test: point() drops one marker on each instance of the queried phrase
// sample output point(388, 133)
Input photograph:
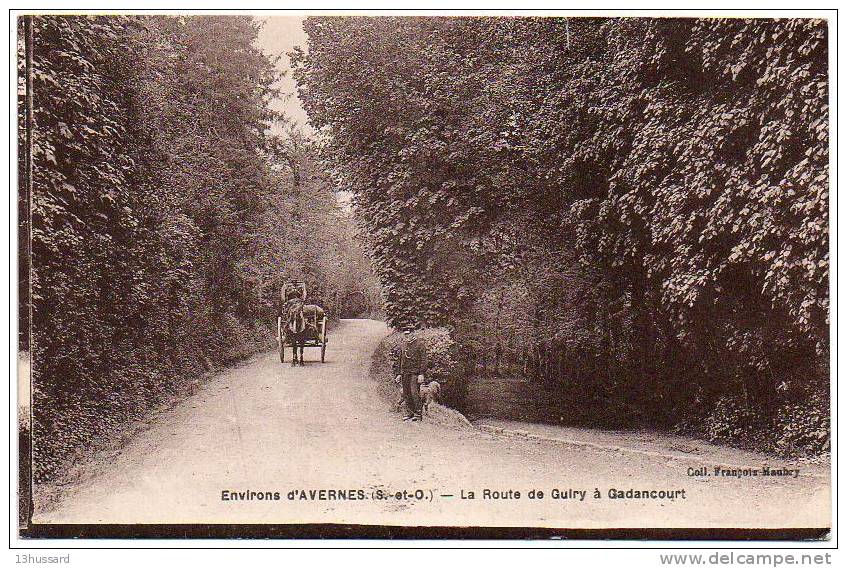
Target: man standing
point(409, 368)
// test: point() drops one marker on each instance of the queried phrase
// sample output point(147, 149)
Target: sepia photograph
point(423, 276)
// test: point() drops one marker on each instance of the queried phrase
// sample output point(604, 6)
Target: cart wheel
point(323, 341)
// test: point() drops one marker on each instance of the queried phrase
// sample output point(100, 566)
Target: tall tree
point(652, 192)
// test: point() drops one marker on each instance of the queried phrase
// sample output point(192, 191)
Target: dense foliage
point(631, 210)
point(165, 216)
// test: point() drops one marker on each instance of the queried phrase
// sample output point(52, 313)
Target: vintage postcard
point(395, 275)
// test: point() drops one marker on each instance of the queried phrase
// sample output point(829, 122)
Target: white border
point(646, 557)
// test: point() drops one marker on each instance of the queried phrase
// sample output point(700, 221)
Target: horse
point(295, 328)
point(301, 323)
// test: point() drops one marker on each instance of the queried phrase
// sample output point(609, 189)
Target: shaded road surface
point(264, 426)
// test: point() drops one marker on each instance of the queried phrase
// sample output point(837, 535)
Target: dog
point(430, 392)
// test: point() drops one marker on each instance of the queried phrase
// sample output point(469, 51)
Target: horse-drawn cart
point(315, 339)
point(299, 325)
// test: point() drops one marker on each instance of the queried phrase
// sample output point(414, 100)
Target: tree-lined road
point(266, 427)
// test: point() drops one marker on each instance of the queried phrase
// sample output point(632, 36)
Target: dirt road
point(266, 427)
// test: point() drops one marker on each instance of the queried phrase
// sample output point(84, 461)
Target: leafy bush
point(803, 428)
point(791, 429)
point(731, 421)
point(243, 338)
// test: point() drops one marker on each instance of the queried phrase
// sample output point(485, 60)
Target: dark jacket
point(411, 359)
